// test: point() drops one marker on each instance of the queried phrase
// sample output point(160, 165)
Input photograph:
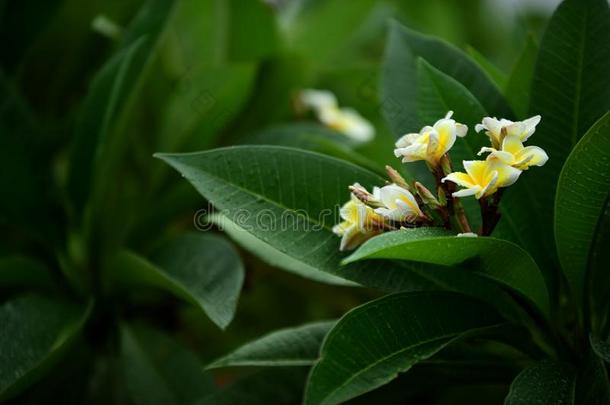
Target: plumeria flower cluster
point(400, 204)
point(343, 120)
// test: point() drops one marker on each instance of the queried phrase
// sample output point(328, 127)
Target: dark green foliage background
point(109, 294)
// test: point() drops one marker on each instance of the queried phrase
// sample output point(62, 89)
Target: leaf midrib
point(397, 353)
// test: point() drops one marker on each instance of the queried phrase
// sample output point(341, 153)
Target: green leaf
point(271, 255)
point(202, 269)
point(400, 85)
point(19, 271)
point(26, 152)
point(205, 101)
point(545, 383)
point(158, 370)
point(219, 32)
point(600, 347)
point(592, 384)
point(390, 335)
point(285, 198)
point(35, 332)
point(498, 77)
point(298, 346)
point(312, 137)
point(519, 83)
point(439, 93)
point(109, 94)
point(496, 259)
point(281, 386)
point(583, 193)
point(570, 90)
point(334, 27)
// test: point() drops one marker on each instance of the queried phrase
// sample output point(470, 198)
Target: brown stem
point(490, 213)
point(454, 206)
point(460, 214)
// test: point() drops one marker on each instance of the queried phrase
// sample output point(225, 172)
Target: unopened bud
point(442, 198)
point(396, 178)
point(446, 165)
point(363, 195)
point(426, 196)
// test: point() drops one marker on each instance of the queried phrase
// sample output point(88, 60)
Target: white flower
point(498, 129)
point(399, 204)
point(318, 99)
point(432, 142)
point(513, 153)
point(358, 225)
point(483, 177)
point(344, 120)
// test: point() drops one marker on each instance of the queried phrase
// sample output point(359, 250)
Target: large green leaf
point(203, 269)
point(205, 100)
point(600, 347)
point(570, 90)
point(400, 85)
point(496, 259)
point(286, 199)
point(371, 344)
point(218, 32)
point(592, 384)
point(158, 370)
point(583, 194)
point(110, 92)
point(440, 93)
point(298, 346)
point(331, 32)
point(312, 137)
point(545, 383)
point(35, 331)
point(26, 152)
point(496, 74)
point(20, 271)
point(271, 255)
point(519, 83)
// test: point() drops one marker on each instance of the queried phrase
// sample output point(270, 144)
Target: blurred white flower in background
point(344, 120)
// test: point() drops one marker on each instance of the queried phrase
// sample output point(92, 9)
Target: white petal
point(530, 126)
point(507, 175)
point(515, 129)
point(348, 237)
point(466, 192)
point(479, 127)
point(461, 130)
point(446, 134)
point(486, 149)
point(492, 124)
point(412, 153)
point(500, 155)
point(355, 126)
point(407, 140)
point(449, 114)
point(362, 216)
point(461, 179)
point(318, 99)
point(490, 187)
point(537, 156)
point(467, 235)
point(406, 211)
point(376, 191)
